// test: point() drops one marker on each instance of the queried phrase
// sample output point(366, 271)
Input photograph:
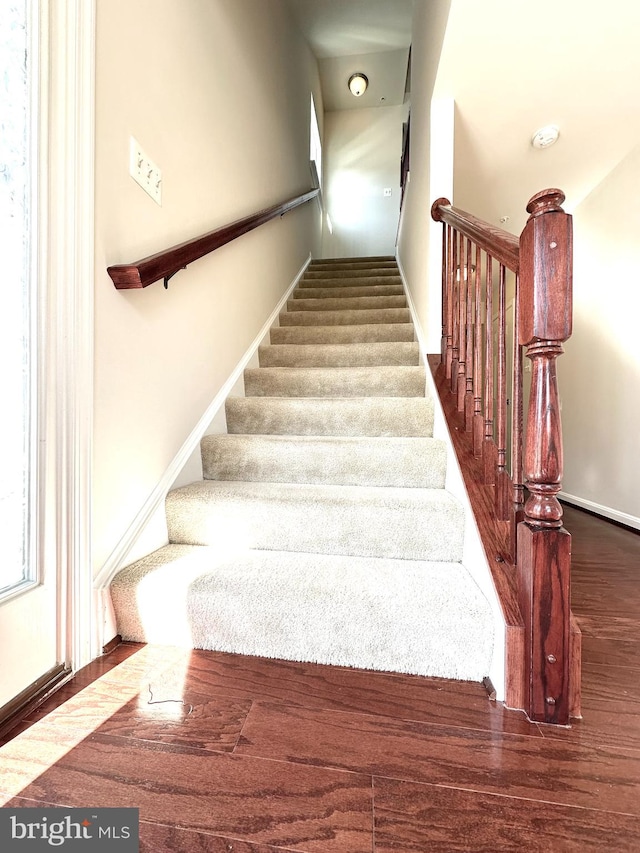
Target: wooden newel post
point(544, 546)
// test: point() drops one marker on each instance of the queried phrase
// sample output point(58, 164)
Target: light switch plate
point(386, 192)
point(144, 171)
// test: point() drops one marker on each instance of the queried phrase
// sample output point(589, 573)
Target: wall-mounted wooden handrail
point(481, 378)
point(165, 264)
point(502, 246)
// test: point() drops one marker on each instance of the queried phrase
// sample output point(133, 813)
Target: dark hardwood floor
point(228, 754)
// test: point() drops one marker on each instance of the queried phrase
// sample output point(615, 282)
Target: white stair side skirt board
point(473, 557)
point(225, 593)
point(152, 512)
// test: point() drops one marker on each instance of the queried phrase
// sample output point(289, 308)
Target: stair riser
point(348, 292)
point(399, 416)
point(323, 264)
point(407, 529)
point(343, 382)
point(409, 462)
point(357, 262)
point(339, 355)
point(367, 259)
point(344, 318)
point(343, 283)
point(377, 332)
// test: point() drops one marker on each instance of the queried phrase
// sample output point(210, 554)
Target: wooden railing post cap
point(435, 208)
point(546, 201)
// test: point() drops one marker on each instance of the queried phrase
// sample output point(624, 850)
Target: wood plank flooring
point(229, 754)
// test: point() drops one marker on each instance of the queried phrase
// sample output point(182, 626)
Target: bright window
point(315, 145)
point(16, 567)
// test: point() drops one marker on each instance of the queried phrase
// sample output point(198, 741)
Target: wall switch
point(386, 192)
point(144, 171)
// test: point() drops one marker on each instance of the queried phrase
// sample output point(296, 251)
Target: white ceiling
point(371, 36)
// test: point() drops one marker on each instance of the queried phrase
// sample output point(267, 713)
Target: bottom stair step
point(425, 618)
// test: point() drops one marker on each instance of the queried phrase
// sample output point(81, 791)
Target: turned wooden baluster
point(458, 387)
point(446, 242)
point(489, 447)
point(516, 430)
point(503, 485)
point(451, 255)
point(544, 547)
point(468, 390)
point(455, 295)
point(477, 421)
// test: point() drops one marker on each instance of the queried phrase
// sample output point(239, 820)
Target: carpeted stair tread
point(336, 272)
point(345, 461)
point(362, 260)
point(381, 381)
point(347, 292)
point(365, 333)
point(324, 266)
point(406, 524)
point(374, 416)
point(350, 303)
point(339, 355)
point(362, 612)
point(359, 285)
point(344, 317)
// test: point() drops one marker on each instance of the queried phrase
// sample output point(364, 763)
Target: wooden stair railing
point(481, 386)
point(165, 264)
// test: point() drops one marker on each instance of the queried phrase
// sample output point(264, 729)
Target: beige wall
point(415, 238)
point(600, 372)
point(361, 152)
point(217, 93)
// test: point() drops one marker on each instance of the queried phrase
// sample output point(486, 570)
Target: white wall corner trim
point(474, 558)
point(600, 509)
point(118, 556)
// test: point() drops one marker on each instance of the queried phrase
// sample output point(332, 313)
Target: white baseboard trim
point(117, 558)
point(600, 509)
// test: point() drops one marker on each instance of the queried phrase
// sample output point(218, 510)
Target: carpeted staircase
point(321, 530)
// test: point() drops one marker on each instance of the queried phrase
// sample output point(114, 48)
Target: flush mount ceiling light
point(358, 83)
point(545, 137)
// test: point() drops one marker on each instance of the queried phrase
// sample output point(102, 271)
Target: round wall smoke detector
point(545, 137)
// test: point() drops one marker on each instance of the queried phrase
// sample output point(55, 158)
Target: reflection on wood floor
point(229, 754)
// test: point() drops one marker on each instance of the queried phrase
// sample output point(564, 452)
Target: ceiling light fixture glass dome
point(358, 83)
